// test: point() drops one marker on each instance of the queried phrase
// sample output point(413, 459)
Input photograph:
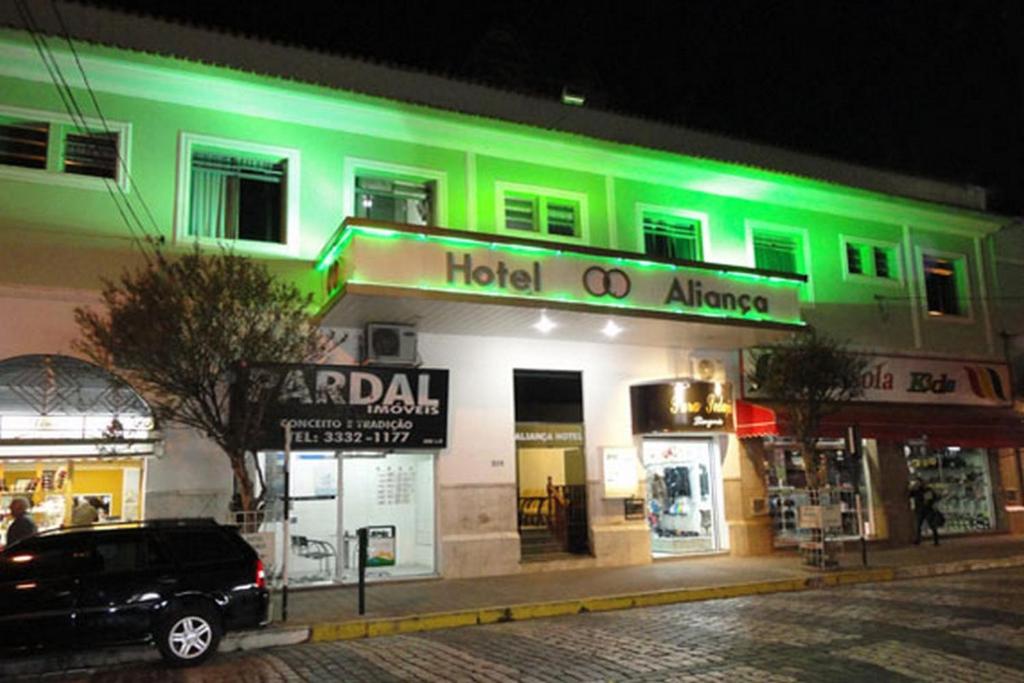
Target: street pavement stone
point(943, 629)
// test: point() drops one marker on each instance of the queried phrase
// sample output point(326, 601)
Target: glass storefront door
point(335, 494)
point(313, 535)
point(395, 489)
point(683, 498)
point(962, 480)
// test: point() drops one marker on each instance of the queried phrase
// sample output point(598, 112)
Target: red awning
point(966, 426)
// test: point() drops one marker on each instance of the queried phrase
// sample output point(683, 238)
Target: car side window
point(39, 559)
point(117, 553)
point(120, 554)
point(202, 546)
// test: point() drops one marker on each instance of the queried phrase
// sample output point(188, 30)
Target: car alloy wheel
point(190, 637)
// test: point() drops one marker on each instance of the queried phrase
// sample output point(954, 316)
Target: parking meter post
point(287, 504)
point(856, 450)
point(363, 540)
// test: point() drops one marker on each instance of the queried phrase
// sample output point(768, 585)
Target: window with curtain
point(779, 252)
point(674, 237)
point(234, 197)
point(395, 200)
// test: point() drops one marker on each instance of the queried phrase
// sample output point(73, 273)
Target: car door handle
point(167, 581)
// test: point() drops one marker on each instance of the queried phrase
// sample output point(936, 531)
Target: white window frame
point(54, 173)
point(501, 188)
point(186, 144)
point(963, 277)
point(351, 166)
point(700, 217)
point(803, 234)
point(895, 266)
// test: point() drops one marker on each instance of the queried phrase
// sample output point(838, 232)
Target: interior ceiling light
point(545, 324)
point(611, 330)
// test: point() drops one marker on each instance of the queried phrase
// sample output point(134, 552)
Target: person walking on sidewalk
point(924, 498)
point(22, 527)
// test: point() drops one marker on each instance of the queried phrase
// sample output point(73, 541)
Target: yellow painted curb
point(369, 628)
point(607, 604)
point(492, 615)
point(544, 609)
point(347, 630)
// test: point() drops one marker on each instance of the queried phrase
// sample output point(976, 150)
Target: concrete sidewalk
point(323, 614)
point(394, 607)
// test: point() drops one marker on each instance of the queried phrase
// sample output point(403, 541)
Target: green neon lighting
point(346, 236)
point(702, 312)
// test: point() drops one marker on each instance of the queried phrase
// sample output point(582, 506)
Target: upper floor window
point(777, 251)
point(238, 192)
point(24, 143)
point(91, 153)
point(48, 147)
point(395, 199)
point(550, 214)
point(942, 283)
point(673, 236)
point(532, 213)
point(237, 197)
point(871, 259)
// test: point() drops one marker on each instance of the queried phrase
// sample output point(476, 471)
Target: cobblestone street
point(968, 627)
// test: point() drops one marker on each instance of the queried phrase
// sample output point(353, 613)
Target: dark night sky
point(930, 87)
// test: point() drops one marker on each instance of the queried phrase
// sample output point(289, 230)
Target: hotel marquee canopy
point(453, 282)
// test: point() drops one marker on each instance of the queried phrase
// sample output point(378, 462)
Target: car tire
point(189, 635)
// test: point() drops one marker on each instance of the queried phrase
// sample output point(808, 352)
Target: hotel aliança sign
point(430, 260)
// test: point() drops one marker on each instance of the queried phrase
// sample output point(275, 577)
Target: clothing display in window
point(680, 500)
point(677, 481)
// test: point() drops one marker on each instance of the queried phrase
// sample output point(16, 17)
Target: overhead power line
point(121, 200)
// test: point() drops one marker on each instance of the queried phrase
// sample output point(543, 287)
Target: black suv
point(180, 583)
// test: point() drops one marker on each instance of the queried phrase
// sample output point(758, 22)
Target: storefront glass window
point(787, 491)
point(682, 499)
point(961, 478)
point(109, 490)
point(333, 497)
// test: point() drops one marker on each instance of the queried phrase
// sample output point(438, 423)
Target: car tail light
point(261, 576)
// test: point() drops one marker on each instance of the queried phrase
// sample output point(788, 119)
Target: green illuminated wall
point(52, 235)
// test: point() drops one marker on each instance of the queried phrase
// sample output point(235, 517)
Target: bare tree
point(811, 376)
point(183, 329)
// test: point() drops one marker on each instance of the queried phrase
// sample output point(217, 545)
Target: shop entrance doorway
point(551, 479)
point(334, 494)
point(683, 496)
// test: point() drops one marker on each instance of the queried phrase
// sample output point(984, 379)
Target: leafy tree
point(811, 376)
point(180, 329)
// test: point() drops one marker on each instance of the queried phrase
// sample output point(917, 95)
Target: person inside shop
point(84, 512)
point(22, 527)
point(924, 498)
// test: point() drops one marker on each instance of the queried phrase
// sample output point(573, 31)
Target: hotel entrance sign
point(441, 261)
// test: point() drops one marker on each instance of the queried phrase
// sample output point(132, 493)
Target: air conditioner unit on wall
point(707, 369)
point(389, 344)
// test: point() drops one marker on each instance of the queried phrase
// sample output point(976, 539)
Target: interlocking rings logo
point(601, 282)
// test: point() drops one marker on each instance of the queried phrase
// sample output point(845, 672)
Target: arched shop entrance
point(71, 430)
